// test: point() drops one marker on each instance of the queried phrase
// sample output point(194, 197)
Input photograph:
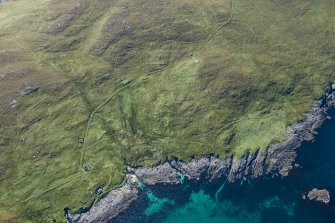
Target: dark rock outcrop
point(102, 79)
point(276, 160)
point(28, 89)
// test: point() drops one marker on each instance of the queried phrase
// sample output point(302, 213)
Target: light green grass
point(256, 67)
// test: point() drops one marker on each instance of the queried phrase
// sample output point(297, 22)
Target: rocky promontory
point(276, 160)
point(114, 203)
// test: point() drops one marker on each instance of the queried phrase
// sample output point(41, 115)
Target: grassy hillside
point(124, 82)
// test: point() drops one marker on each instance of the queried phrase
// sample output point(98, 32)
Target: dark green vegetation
point(142, 81)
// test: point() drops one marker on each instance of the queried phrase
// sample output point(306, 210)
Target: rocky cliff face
point(277, 160)
point(115, 202)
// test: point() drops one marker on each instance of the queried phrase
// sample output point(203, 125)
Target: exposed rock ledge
point(276, 160)
point(317, 195)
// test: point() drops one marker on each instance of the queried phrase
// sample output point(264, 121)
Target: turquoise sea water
point(264, 200)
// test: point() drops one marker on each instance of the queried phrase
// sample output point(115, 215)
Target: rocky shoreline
point(277, 160)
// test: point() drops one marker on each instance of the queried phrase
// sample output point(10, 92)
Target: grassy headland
point(137, 82)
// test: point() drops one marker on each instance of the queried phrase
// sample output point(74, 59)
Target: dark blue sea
point(266, 200)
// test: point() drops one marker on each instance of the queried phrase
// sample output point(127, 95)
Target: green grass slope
point(143, 81)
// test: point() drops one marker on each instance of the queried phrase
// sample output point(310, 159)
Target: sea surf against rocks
point(277, 160)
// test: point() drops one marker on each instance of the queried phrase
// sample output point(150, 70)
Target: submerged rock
point(317, 195)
